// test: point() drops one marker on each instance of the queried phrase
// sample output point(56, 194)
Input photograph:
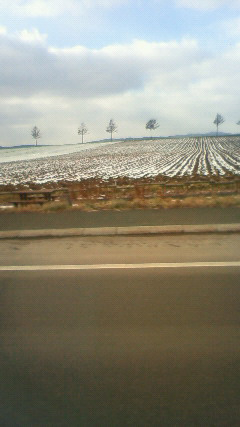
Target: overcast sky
point(63, 62)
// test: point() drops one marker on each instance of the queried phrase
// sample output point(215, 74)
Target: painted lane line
point(119, 266)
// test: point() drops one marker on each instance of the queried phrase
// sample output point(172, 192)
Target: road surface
point(139, 346)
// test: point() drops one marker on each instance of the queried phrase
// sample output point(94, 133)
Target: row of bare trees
point(111, 128)
point(83, 130)
point(151, 125)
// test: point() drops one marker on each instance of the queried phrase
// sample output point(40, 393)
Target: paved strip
point(119, 266)
point(114, 231)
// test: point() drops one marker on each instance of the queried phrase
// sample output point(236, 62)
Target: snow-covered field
point(41, 151)
point(135, 159)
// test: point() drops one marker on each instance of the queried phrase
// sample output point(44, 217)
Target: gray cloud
point(28, 69)
point(57, 89)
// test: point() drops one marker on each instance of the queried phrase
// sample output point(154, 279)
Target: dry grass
point(160, 203)
point(211, 201)
point(144, 193)
point(55, 206)
point(136, 203)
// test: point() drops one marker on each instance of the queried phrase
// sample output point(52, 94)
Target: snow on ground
point(14, 154)
point(135, 159)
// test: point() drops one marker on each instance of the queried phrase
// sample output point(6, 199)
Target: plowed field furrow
point(135, 159)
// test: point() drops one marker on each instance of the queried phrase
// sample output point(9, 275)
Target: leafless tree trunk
point(111, 128)
point(218, 121)
point(82, 130)
point(152, 125)
point(35, 132)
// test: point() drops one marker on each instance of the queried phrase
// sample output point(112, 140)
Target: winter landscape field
point(171, 157)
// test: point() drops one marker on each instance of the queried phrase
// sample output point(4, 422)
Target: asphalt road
point(116, 347)
point(74, 219)
point(138, 348)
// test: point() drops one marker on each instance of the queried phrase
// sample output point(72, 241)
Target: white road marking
point(119, 266)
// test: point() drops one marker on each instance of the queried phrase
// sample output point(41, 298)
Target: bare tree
point(238, 123)
point(152, 124)
point(35, 132)
point(218, 120)
point(111, 128)
point(82, 130)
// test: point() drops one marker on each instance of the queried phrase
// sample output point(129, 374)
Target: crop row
point(135, 159)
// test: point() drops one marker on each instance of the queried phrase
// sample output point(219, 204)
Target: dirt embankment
point(92, 183)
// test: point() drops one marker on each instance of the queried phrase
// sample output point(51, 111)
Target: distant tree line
point(111, 128)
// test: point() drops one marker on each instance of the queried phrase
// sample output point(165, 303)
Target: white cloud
point(3, 30)
point(25, 36)
point(33, 36)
